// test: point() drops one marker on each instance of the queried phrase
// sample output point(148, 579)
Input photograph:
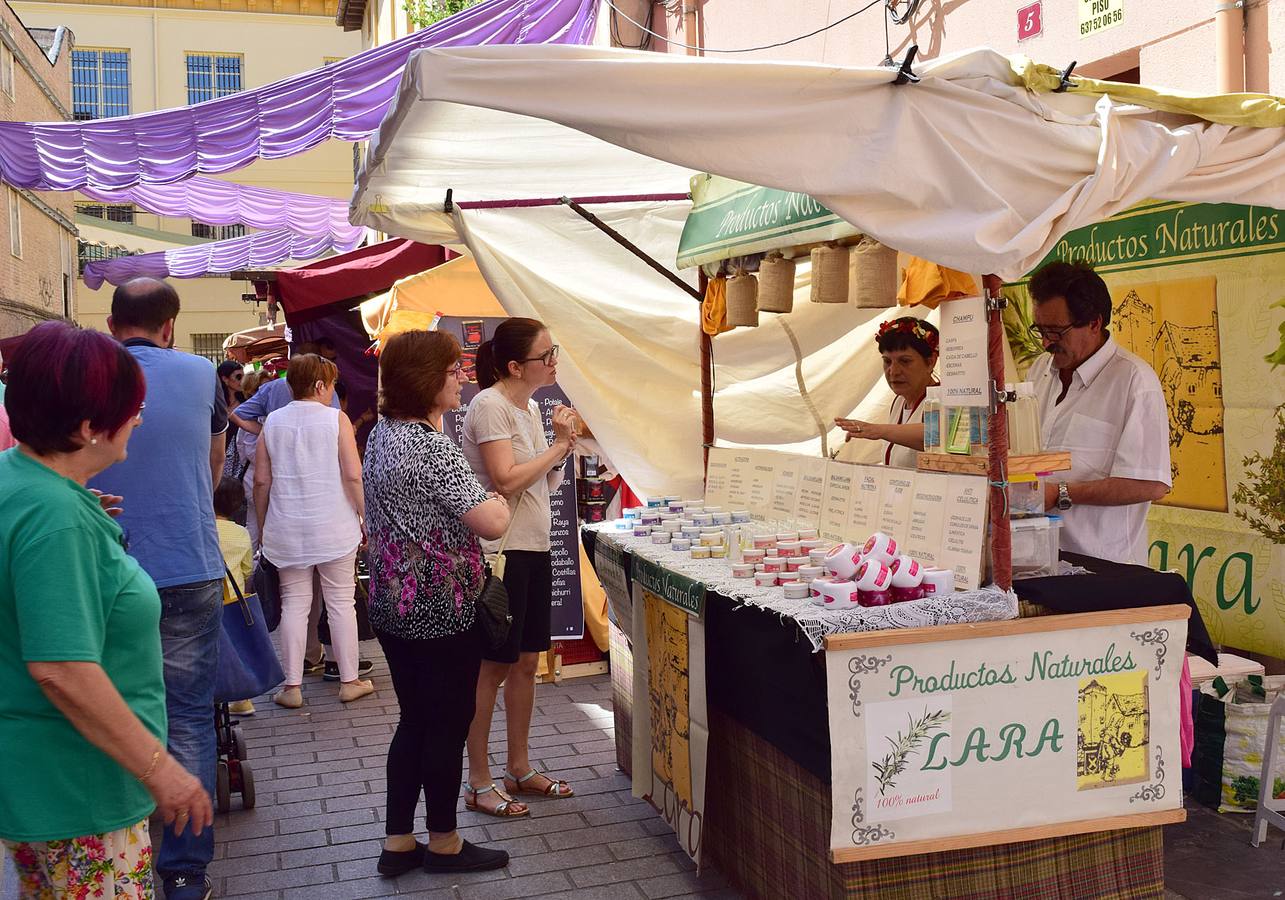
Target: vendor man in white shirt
point(1106, 406)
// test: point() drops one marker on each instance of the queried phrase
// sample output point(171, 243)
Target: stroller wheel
point(239, 748)
point(222, 787)
point(247, 786)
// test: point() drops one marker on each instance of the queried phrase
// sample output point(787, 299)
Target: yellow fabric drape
point(927, 283)
point(714, 307)
point(1254, 110)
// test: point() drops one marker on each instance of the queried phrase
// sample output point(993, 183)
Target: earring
point(93, 440)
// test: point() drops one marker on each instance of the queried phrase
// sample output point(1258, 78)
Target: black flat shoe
point(471, 858)
point(398, 862)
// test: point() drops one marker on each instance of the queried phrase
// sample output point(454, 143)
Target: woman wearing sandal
point(504, 441)
point(425, 511)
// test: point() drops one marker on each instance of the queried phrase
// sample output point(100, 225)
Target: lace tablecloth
point(989, 604)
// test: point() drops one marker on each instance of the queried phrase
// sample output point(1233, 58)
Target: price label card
point(894, 510)
point(837, 502)
point(716, 475)
point(762, 479)
point(928, 518)
point(785, 489)
point(963, 352)
point(867, 497)
point(738, 480)
point(811, 490)
point(964, 528)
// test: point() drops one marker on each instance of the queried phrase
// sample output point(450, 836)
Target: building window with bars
point(212, 75)
point(99, 83)
point(217, 232)
point(15, 221)
point(111, 212)
point(88, 251)
point(210, 346)
point(6, 70)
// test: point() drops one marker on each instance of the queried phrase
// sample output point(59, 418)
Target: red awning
point(312, 291)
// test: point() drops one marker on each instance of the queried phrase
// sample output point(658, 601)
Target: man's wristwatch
point(1063, 496)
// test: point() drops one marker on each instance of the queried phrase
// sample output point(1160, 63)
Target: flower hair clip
point(916, 328)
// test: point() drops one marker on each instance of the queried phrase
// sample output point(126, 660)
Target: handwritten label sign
point(716, 476)
point(811, 490)
point(867, 496)
point(964, 528)
point(839, 479)
point(1023, 724)
point(927, 518)
point(738, 480)
point(898, 495)
point(762, 476)
point(963, 353)
point(785, 490)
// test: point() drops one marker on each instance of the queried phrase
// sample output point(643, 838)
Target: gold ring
point(181, 814)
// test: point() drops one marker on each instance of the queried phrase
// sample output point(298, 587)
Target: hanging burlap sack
point(830, 274)
point(873, 283)
point(742, 294)
point(776, 284)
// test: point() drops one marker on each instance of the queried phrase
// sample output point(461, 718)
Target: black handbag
point(493, 616)
point(266, 581)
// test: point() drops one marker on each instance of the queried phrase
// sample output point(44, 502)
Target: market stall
point(1070, 804)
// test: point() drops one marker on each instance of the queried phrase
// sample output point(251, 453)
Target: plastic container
point(937, 582)
point(838, 594)
point(1025, 496)
point(765, 579)
point(795, 590)
point(743, 570)
point(843, 560)
point(682, 545)
point(718, 552)
point(881, 547)
point(1024, 421)
point(932, 420)
point(753, 556)
point(1036, 542)
point(808, 534)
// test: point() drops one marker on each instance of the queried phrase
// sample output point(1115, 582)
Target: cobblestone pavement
point(316, 829)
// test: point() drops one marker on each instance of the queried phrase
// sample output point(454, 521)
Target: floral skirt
point(115, 865)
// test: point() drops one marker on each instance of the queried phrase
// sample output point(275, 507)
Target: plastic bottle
point(955, 431)
point(978, 430)
point(932, 420)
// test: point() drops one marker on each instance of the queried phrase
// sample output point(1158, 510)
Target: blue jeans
point(191, 618)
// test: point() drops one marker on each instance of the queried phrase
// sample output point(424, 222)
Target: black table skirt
point(762, 671)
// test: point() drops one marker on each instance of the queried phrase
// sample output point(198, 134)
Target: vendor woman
point(909, 349)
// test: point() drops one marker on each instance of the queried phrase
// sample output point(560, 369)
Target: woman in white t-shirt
point(505, 444)
point(909, 349)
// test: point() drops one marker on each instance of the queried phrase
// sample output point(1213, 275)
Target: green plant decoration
point(1018, 319)
point(895, 762)
point(1261, 496)
point(423, 13)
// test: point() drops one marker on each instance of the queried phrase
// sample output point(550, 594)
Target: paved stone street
point(317, 827)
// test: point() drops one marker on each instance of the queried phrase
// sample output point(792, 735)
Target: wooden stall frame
point(967, 631)
point(1010, 836)
point(973, 631)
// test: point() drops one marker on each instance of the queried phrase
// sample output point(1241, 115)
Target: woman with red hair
point(82, 710)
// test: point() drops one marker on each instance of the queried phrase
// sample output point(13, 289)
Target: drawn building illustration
point(1112, 730)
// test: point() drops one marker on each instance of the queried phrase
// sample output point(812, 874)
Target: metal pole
point(633, 248)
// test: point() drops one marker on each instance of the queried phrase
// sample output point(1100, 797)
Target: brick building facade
point(37, 230)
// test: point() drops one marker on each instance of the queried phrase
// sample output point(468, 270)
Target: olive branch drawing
point(906, 743)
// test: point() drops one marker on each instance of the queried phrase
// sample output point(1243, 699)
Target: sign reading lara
point(1032, 728)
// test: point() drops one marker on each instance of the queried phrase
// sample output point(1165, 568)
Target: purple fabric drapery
point(253, 251)
point(344, 100)
point(217, 202)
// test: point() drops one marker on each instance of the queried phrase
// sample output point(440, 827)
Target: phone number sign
point(1099, 15)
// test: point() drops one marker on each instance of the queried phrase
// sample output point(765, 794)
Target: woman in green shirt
point(82, 701)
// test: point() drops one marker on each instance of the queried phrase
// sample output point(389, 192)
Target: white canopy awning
point(968, 168)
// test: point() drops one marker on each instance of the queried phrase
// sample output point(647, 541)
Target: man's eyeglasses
point(548, 357)
point(1054, 332)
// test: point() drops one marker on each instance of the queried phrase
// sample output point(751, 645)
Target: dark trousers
point(436, 684)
